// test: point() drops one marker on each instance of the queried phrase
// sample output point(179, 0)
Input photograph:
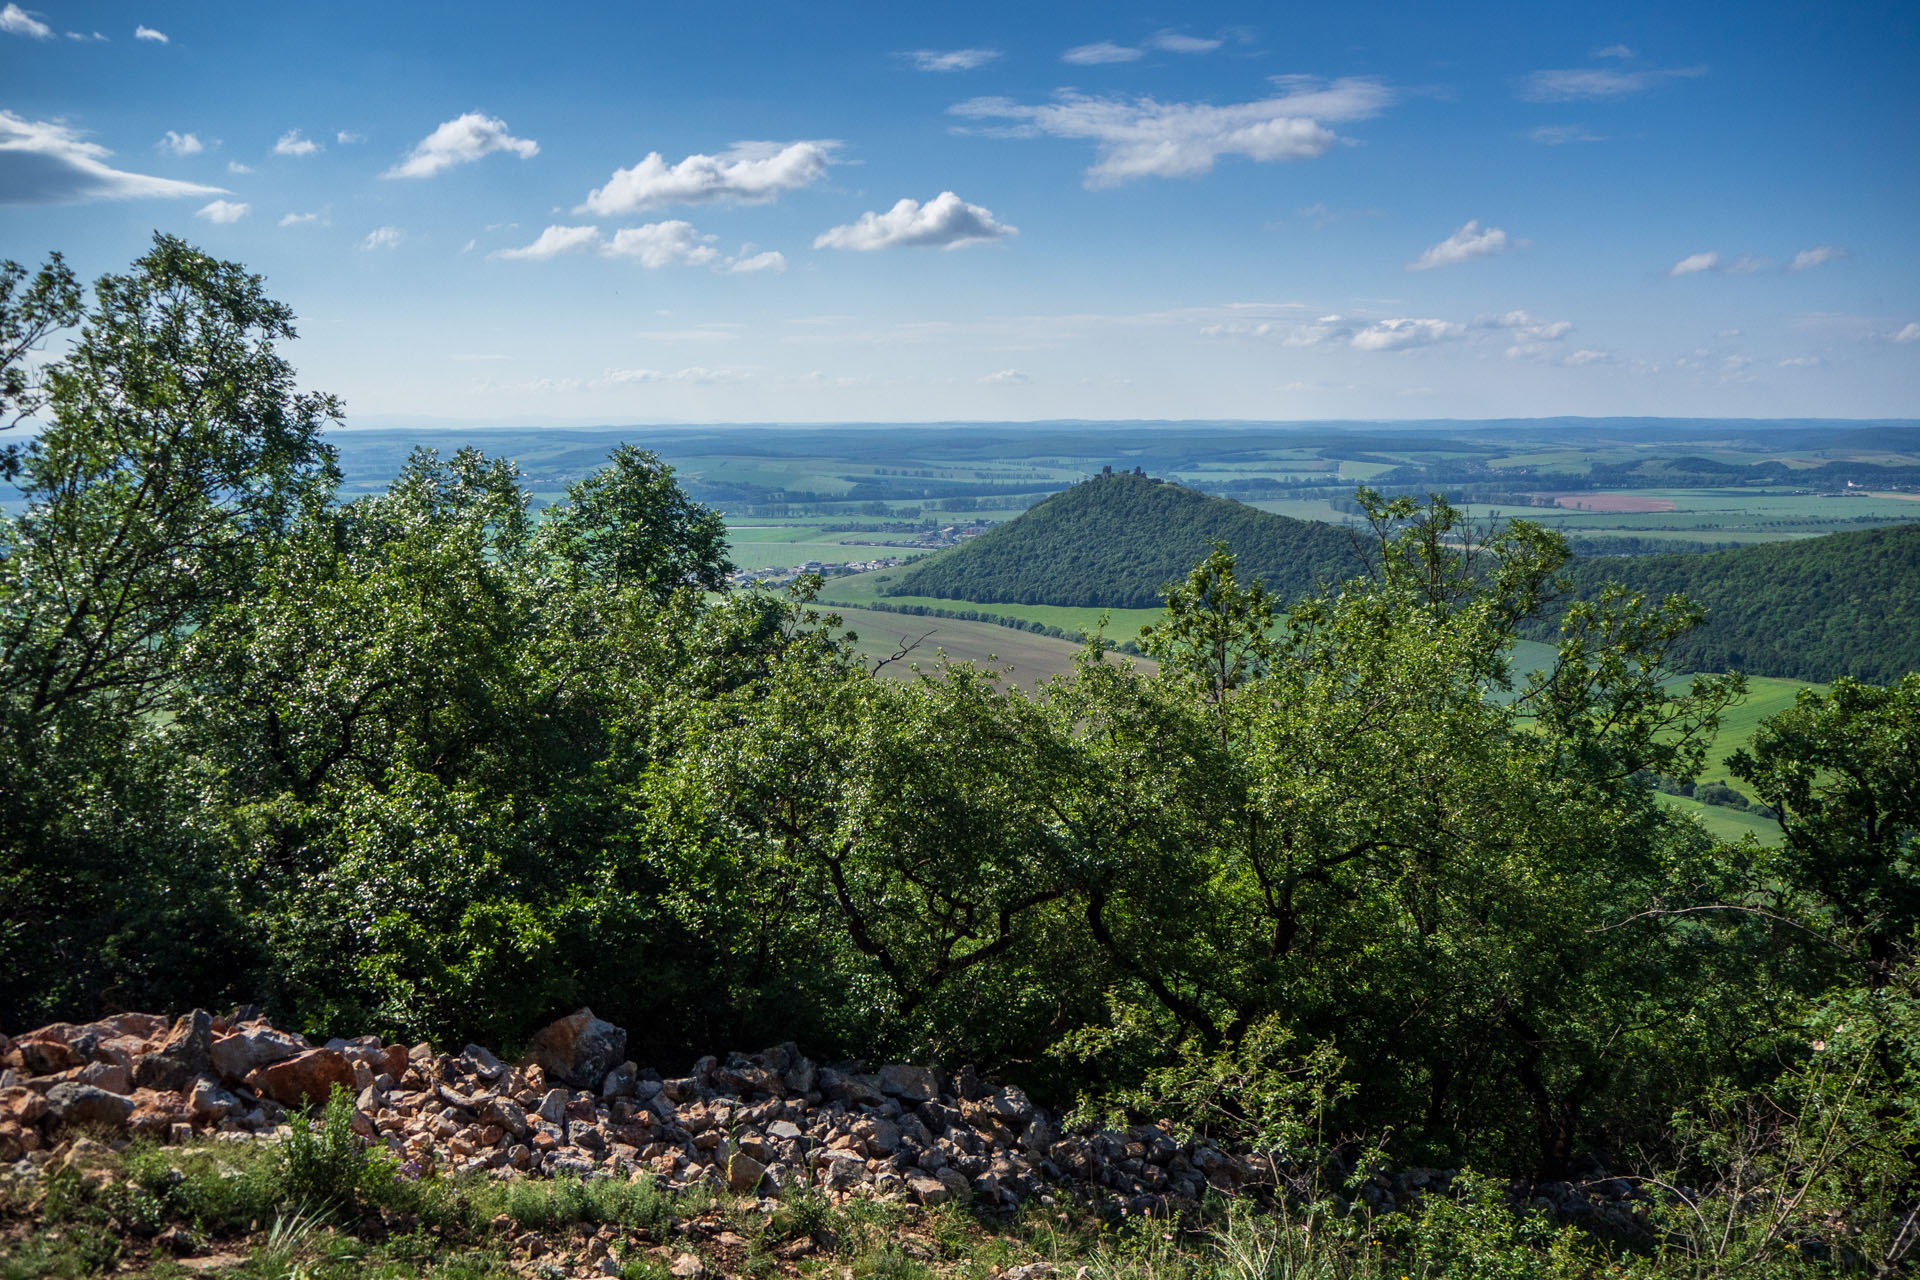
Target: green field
point(864, 589)
point(1027, 660)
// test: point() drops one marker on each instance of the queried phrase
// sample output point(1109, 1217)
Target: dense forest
point(1840, 604)
point(422, 764)
point(1117, 541)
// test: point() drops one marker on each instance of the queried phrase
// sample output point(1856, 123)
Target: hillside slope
point(1842, 604)
point(1115, 541)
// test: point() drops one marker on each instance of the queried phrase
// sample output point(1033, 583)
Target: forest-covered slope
point(1117, 540)
point(1844, 604)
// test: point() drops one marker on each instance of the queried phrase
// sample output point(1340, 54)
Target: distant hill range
point(1843, 604)
point(1114, 541)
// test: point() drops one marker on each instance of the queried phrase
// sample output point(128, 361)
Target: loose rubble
point(747, 1123)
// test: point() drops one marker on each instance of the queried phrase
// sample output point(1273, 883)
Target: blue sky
point(733, 212)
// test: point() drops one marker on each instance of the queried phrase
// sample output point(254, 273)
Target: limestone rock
point(914, 1084)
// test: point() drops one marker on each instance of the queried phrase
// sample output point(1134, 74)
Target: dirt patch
point(1614, 502)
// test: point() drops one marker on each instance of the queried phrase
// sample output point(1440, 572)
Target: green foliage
point(1116, 540)
point(324, 1165)
point(1843, 771)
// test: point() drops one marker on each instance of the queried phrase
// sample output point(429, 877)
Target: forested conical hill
point(1843, 604)
point(1115, 541)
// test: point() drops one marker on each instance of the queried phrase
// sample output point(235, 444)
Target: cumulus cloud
point(771, 260)
point(1578, 84)
point(1694, 263)
point(951, 59)
point(1801, 362)
point(96, 37)
point(945, 222)
point(346, 137)
point(746, 173)
point(1528, 336)
point(1101, 51)
point(1909, 334)
point(1817, 256)
point(1007, 378)
point(234, 166)
point(1174, 42)
point(383, 238)
point(148, 33)
point(1144, 137)
point(657, 244)
point(461, 140)
point(16, 21)
point(292, 144)
point(301, 219)
point(42, 162)
point(1587, 355)
point(553, 242)
point(1398, 335)
point(181, 144)
point(224, 211)
point(1614, 51)
point(1464, 245)
point(663, 244)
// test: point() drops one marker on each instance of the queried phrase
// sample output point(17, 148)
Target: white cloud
point(1819, 255)
point(383, 238)
point(234, 166)
point(1694, 263)
point(1464, 245)
point(1615, 51)
point(94, 38)
point(292, 144)
point(148, 33)
point(18, 22)
point(1529, 337)
point(346, 137)
point(697, 375)
point(1588, 355)
point(224, 211)
point(1174, 42)
point(1397, 335)
point(42, 162)
point(1909, 334)
point(663, 244)
point(303, 219)
point(951, 59)
point(181, 144)
point(461, 140)
point(1007, 378)
point(1144, 137)
point(1089, 55)
point(946, 221)
point(1577, 84)
point(747, 173)
point(772, 260)
point(1801, 362)
point(553, 242)
point(1556, 135)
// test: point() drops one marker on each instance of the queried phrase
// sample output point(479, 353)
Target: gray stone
point(915, 1084)
point(70, 1103)
point(578, 1049)
point(185, 1054)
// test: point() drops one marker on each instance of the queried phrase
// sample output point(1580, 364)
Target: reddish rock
point(306, 1079)
point(234, 1056)
point(22, 1106)
point(110, 1076)
point(45, 1052)
point(579, 1049)
point(156, 1112)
